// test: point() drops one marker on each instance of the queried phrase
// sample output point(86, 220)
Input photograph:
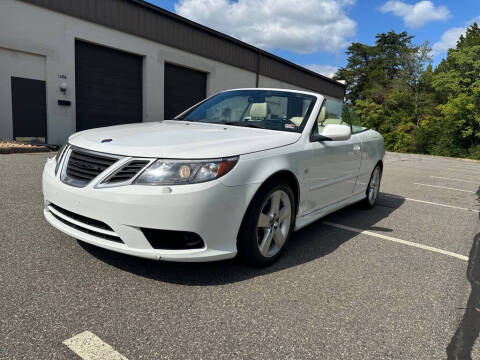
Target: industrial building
point(70, 65)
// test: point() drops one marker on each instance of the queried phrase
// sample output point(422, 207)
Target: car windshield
point(265, 109)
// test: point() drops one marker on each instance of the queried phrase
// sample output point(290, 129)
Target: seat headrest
point(322, 115)
point(258, 110)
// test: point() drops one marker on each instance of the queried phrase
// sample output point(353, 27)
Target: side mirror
point(333, 132)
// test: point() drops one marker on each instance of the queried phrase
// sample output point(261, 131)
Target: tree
point(471, 38)
point(457, 83)
point(361, 61)
point(393, 88)
point(395, 51)
point(414, 65)
point(384, 83)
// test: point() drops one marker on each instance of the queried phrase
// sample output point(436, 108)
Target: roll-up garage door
point(108, 85)
point(183, 88)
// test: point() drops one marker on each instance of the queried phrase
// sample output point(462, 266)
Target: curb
point(436, 156)
point(20, 150)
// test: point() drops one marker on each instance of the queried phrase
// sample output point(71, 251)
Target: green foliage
point(392, 87)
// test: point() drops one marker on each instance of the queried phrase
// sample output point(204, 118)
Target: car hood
point(180, 140)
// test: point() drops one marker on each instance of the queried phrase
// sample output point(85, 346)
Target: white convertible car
point(235, 174)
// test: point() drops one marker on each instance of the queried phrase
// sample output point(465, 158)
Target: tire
point(373, 188)
point(266, 226)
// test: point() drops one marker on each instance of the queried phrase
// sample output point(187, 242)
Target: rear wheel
point(267, 225)
point(373, 188)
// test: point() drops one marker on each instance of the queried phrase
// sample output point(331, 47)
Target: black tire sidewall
point(367, 203)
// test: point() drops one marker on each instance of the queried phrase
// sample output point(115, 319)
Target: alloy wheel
point(273, 224)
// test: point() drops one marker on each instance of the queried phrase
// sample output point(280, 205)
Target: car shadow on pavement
point(462, 342)
point(304, 246)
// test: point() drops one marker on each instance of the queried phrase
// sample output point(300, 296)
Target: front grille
point(84, 220)
point(127, 171)
point(84, 166)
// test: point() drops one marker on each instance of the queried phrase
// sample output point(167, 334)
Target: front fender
point(256, 168)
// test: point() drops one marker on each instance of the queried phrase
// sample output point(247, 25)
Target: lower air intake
point(173, 240)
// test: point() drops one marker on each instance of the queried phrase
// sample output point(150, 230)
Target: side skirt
point(314, 216)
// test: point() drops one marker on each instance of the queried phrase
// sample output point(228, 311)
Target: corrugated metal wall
point(273, 68)
point(144, 20)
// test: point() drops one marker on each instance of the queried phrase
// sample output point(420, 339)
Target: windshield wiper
point(244, 124)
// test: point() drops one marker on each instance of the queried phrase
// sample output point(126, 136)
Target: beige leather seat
point(297, 120)
point(259, 110)
point(321, 119)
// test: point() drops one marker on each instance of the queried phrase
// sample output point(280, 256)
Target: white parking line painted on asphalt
point(468, 167)
point(90, 347)
point(400, 241)
point(431, 203)
point(464, 172)
point(465, 181)
point(444, 187)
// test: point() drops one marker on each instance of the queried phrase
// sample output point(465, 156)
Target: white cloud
point(450, 37)
point(303, 27)
point(448, 40)
point(417, 15)
point(327, 70)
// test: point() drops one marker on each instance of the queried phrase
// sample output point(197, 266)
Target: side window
point(358, 128)
point(352, 118)
point(334, 110)
point(330, 113)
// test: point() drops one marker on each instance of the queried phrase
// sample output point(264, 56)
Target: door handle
point(356, 148)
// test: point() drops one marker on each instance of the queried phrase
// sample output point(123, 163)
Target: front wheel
point(267, 225)
point(373, 188)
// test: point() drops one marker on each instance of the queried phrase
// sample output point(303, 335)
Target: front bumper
point(211, 210)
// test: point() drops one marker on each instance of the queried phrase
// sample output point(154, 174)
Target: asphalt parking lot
point(398, 290)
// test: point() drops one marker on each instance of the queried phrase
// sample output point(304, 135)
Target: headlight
point(178, 172)
point(59, 155)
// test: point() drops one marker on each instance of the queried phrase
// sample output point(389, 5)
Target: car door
point(332, 165)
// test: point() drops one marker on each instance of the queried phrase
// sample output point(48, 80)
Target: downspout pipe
point(257, 80)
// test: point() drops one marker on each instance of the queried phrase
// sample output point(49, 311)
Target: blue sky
point(316, 33)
